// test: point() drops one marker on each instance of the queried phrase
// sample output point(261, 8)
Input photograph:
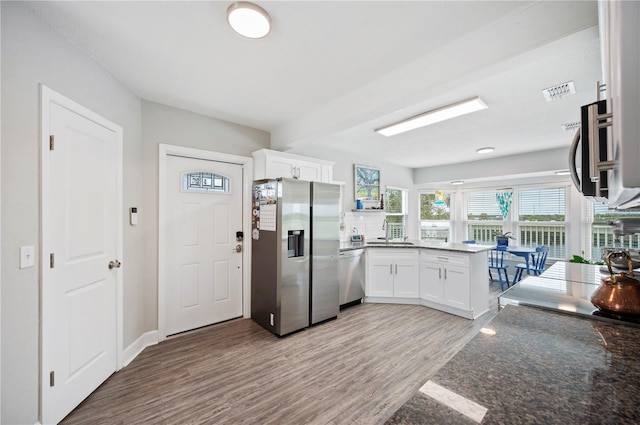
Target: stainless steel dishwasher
point(351, 275)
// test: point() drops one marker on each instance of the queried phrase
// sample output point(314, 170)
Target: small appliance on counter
point(620, 292)
point(356, 237)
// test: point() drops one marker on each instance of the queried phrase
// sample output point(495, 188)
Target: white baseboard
point(132, 351)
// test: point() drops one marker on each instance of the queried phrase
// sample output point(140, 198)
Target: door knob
point(115, 264)
point(238, 248)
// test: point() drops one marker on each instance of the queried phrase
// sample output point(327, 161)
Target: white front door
point(80, 227)
point(203, 267)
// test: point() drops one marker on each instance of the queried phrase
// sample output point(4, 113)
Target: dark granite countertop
point(567, 287)
point(530, 366)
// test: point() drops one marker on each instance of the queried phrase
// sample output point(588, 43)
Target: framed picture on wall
point(366, 183)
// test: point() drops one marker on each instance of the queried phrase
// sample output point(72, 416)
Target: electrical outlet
point(271, 318)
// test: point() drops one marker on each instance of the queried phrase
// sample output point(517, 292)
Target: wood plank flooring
point(358, 369)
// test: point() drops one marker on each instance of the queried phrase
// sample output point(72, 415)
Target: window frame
point(489, 223)
point(512, 223)
point(519, 224)
point(403, 213)
point(449, 223)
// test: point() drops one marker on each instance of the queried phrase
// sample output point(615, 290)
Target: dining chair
point(496, 262)
point(537, 259)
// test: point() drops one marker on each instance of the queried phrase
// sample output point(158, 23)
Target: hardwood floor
point(358, 369)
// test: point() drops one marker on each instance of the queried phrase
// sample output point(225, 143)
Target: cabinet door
point(327, 173)
point(431, 281)
point(380, 279)
point(405, 279)
point(279, 167)
point(456, 286)
point(309, 171)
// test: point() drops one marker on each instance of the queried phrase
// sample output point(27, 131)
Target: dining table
point(522, 251)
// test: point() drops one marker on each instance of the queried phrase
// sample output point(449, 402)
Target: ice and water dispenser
point(295, 245)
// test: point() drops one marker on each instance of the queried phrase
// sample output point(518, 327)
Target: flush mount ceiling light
point(248, 19)
point(488, 149)
point(457, 182)
point(431, 117)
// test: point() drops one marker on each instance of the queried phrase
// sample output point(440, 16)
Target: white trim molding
point(165, 150)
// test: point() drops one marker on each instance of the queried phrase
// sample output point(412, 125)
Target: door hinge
point(51, 142)
point(51, 260)
point(52, 378)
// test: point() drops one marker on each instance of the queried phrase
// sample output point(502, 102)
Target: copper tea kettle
point(619, 294)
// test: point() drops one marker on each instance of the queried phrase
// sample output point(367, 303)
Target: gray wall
point(32, 53)
point(501, 168)
point(167, 125)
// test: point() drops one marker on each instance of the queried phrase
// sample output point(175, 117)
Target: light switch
point(27, 256)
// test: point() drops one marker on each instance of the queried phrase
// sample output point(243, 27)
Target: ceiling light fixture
point(487, 149)
point(431, 117)
point(457, 182)
point(248, 19)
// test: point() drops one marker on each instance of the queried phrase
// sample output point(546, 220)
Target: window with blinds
point(541, 219)
point(544, 204)
point(483, 206)
point(601, 233)
point(484, 218)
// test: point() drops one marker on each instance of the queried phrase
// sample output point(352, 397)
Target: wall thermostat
point(133, 216)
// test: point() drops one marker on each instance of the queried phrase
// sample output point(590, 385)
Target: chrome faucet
point(385, 227)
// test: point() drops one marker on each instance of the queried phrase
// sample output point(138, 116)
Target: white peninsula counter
point(451, 277)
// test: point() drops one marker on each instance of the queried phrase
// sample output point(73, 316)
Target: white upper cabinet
point(271, 164)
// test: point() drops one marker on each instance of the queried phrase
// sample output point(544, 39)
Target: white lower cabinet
point(447, 282)
point(452, 281)
point(392, 273)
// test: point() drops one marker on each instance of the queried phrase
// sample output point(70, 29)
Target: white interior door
point(203, 266)
point(80, 239)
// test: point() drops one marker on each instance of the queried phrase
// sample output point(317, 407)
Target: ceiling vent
point(559, 91)
point(570, 126)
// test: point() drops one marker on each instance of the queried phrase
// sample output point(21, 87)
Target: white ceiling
point(331, 72)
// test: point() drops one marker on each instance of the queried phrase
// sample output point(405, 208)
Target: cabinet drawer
point(393, 254)
point(445, 257)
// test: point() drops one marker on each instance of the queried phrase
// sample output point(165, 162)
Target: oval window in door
point(203, 181)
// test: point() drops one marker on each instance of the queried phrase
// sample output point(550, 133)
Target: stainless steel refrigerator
point(296, 241)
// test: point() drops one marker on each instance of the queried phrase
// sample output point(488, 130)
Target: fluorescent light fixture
point(248, 19)
point(484, 150)
point(431, 117)
point(457, 182)
point(563, 173)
